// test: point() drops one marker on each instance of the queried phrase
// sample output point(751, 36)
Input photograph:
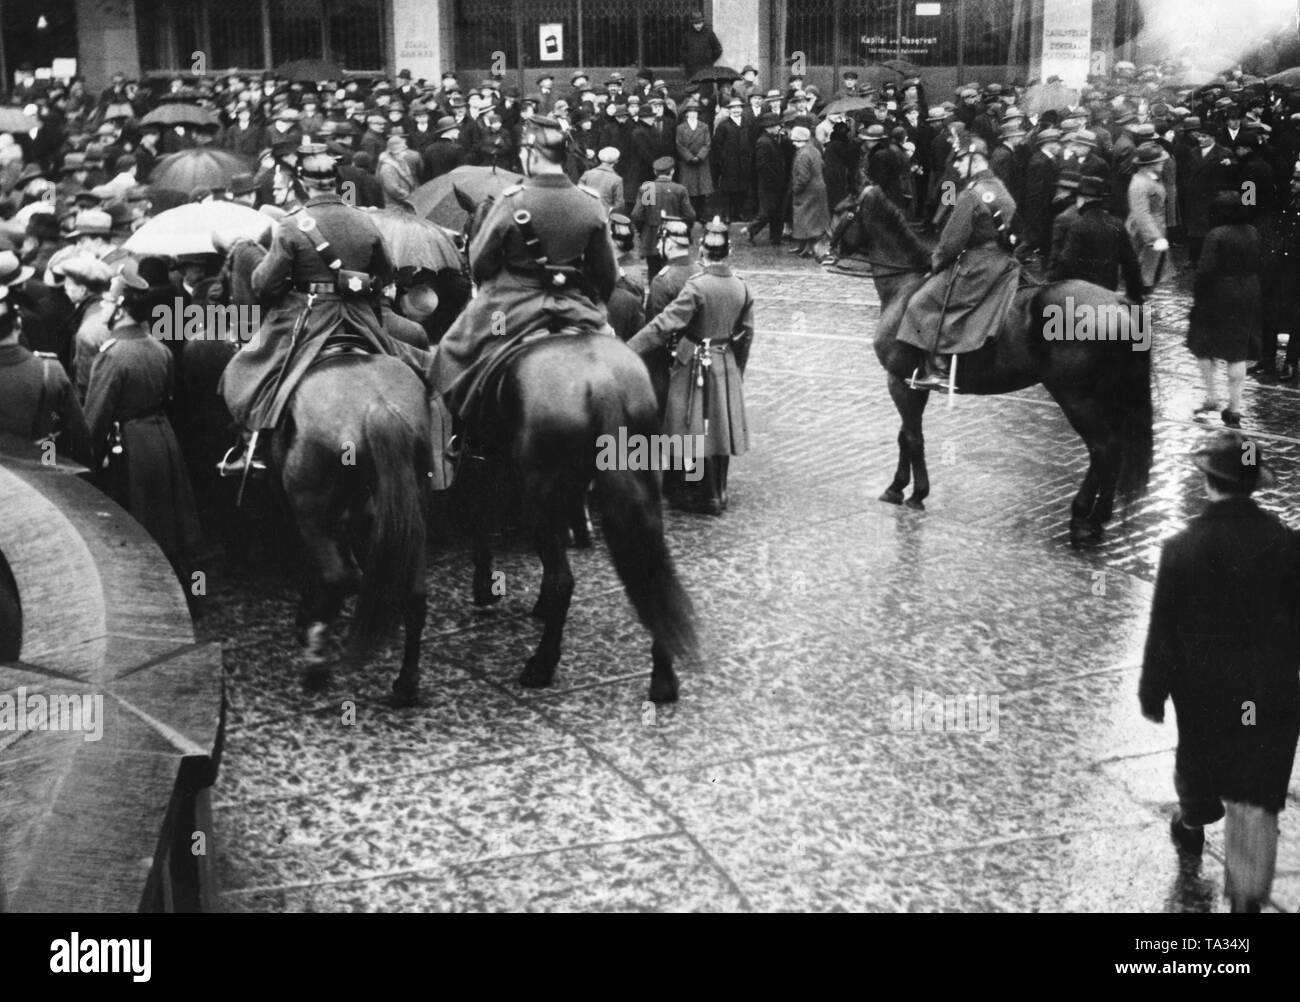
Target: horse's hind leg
point(406, 687)
point(911, 446)
point(332, 583)
point(1094, 504)
point(475, 482)
point(555, 595)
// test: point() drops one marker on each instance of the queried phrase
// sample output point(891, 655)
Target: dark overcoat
point(732, 155)
point(1227, 309)
point(1222, 639)
point(1207, 174)
point(812, 216)
point(695, 172)
point(1097, 249)
point(769, 175)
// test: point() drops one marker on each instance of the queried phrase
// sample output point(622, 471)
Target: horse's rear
point(353, 459)
point(560, 398)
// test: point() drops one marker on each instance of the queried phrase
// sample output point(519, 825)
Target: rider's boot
point(243, 456)
point(935, 373)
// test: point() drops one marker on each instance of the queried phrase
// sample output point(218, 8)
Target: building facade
point(947, 40)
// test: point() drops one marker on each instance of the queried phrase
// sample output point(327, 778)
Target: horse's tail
point(633, 527)
point(388, 454)
point(1129, 400)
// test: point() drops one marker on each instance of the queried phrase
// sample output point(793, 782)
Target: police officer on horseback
point(543, 261)
point(973, 277)
point(325, 271)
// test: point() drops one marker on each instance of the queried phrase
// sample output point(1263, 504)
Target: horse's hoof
point(535, 674)
point(543, 608)
point(404, 695)
point(892, 496)
point(915, 503)
point(485, 600)
point(663, 691)
point(581, 539)
point(316, 678)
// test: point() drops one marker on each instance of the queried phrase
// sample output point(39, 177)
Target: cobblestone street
point(781, 779)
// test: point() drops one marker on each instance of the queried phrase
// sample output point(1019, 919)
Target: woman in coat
point(134, 445)
point(1226, 321)
point(812, 214)
point(696, 172)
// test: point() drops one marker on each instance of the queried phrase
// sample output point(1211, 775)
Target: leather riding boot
point(935, 373)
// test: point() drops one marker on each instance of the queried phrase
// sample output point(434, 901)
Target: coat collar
point(13, 354)
point(1238, 507)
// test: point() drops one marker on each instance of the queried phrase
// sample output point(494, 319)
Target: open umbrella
point(177, 113)
point(310, 70)
point(846, 106)
point(436, 199)
point(201, 167)
point(902, 67)
point(13, 120)
point(1287, 78)
point(416, 242)
point(118, 109)
point(188, 229)
point(714, 74)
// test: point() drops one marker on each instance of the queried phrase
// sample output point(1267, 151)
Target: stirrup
point(235, 468)
point(930, 381)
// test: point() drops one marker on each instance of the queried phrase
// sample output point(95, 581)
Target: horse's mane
point(885, 214)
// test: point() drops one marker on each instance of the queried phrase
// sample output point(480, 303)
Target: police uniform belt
point(322, 290)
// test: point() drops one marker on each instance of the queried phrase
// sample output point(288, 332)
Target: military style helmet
point(316, 164)
point(717, 239)
point(544, 133)
point(675, 230)
point(620, 228)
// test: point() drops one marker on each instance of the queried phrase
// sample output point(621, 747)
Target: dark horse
point(1104, 387)
point(353, 458)
point(557, 399)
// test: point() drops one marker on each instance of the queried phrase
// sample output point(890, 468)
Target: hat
point(614, 78)
point(620, 228)
point(544, 133)
point(85, 269)
point(1049, 136)
point(664, 165)
point(800, 134)
point(937, 114)
point(735, 102)
point(1012, 129)
point(969, 144)
point(873, 133)
point(1192, 123)
point(675, 229)
point(690, 104)
point(1229, 455)
point(768, 119)
point(1069, 179)
point(967, 92)
point(579, 75)
point(696, 17)
point(92, 223)
point(748, 68)
point(43, 226)
point(772, 95)
point(106, 129)
point(1084, 137)
point(850, 74)
point(12, 271)
point(1143, 131)
point(717, 239)
point(396, 141)
point(287, 114)
point(446, 124)
point(1150, 154)
point(73, 162)
point(125, 162)
point(1092, 187)
point(607, 154)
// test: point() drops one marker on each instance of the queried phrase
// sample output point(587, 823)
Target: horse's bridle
point(881, 268)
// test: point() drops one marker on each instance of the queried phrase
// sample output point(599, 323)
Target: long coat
point(1147, 214)
point(695, 171)
point(26, 381)
point(657, 199)
point(249, 381)
point(1207, 174)
point(1227, 311)
point(812, 214)
point(971, 274)
point(714, 305)
point(1040, 187)
point(1222, 638)
point(769, 175)
point(1098, 250)
point(732, 156)
point(130, 383)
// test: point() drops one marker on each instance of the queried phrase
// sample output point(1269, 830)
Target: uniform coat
point(1147, 215)
point(695, 171)
point(714, 305)
point(570, 223)
point(667, 283)
point(812, 214)
point(24, 381)
point(248, 383)
point(625, 308)
point(606, 183)
point(1223, 634)
point(1227, 312)
point(970, 271)
point(131, 383)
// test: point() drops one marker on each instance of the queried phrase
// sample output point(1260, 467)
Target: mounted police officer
point(325, 270)
point(543, 260)
point(973, 276)
point(708, 329)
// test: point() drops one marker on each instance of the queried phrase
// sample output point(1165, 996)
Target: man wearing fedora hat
point(885, 164)
point(1211, 169)
point(732, 155)
point(445, 153)
point(1222, 644)
point(1147, 211)
point(1096, 247)
point(770, 179)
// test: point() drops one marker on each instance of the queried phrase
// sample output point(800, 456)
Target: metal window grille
point(356, 33)
point(609, 33)
point(665, 25)
point(810, 29)
point(235, 34)
point(297, 30)
point(482, 28)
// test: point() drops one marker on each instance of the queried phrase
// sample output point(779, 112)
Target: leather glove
point(1160, 246)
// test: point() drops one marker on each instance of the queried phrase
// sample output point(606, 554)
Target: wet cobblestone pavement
point(778, 781)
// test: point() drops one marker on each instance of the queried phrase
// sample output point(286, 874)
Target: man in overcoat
point(658, 198)
point(1222, 643)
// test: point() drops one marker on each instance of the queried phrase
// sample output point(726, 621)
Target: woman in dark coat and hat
point(812, 214)
point(1226, 321)
point(1223, 644)
point(131, 382)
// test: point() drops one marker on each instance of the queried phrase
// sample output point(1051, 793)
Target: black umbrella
point(715, 74)
point(201, 167)
point(436, 199)
point(178, 113)
point(310, 70)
